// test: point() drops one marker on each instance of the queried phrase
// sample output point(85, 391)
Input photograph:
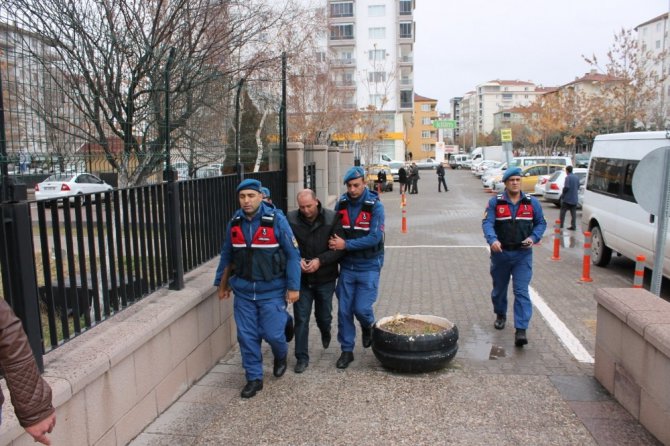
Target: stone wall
point(115, 379)
point(633, 354)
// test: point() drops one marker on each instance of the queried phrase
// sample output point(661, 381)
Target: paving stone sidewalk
point(491, 393)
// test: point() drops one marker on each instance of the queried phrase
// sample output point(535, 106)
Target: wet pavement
point(491, 393)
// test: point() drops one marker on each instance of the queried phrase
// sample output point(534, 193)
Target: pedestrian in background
point(512, 223)
point(414, 178)
point(402, 179)
point(362, 217)
point(30, 394)
point(570, 198)
point(266, 194)
point(440, 178)
point(260, 262)
point(313, 226)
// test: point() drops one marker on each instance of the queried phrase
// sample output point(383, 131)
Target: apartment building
point(422, 135)
point(455, 108)
point(652, 35)
point(371, 46)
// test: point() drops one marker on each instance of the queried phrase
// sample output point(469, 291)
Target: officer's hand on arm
point(314, 265)
point(304, 265)
point(496, 246)
point(292, 296)
point(336, 243)
point(40, 430)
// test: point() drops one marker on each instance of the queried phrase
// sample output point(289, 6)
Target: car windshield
point(396, 165)
point(60, 177)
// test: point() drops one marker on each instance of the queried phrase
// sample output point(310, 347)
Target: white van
point(616, 221)
point(523, 161)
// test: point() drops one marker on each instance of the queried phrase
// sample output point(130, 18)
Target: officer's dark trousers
point(356, 293)
point(441, 182)
point(322, 297)
point(519, 265)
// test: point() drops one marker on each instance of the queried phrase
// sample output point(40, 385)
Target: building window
point(376, 10)
point(427, 147)
point(320, 56)
point(405, 7)
point(376, 100)
point(406, 98)
point(377, 54)
point(425, 107)
point(425, 121)
point(405, 30)
point(377, 76)
point(377, 33)
point(658, 44)
point(425, 133)
point(508, 96)
point(342, 9)
point(341, 32)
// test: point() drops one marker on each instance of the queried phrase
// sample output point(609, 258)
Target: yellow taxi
point(371, 177)
point(529, 175)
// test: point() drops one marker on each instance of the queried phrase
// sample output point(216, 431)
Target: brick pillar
point(334, 173)
point(346, 163)
point(319, 153)
point(295, 175)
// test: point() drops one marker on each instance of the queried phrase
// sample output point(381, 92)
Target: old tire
point(415, 353)
point(600, 253)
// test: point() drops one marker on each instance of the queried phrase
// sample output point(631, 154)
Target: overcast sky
point(460, 44)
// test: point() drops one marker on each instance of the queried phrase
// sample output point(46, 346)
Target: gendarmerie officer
point(362, 218)
point(260, 261)
point(512, 223)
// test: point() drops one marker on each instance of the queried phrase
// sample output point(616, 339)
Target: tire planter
point(415, 353)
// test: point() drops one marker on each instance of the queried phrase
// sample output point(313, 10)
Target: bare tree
point(112, 60)
point(629, 101)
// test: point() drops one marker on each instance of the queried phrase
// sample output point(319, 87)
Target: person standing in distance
point(513, 222)
point(402, 179)
point(362, 217)
point(260, 262)
point(440, 178)
point(313, 226)
point(570, 198)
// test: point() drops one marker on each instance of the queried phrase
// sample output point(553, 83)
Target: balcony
point(406, 82)
point(406, 60)
point(343, 62)
point(406, 105)
point(345, 83)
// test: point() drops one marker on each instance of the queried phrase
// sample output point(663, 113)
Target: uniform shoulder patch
point(295, 242)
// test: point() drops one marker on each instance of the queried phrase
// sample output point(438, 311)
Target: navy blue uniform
point(510, 224)
point(357, 287)
point(266, 263)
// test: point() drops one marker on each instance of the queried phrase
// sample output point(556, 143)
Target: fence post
point(638, 279)
point(586, 262)
point(19, 278)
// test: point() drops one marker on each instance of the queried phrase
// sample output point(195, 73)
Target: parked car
point(208, 171)
point(68, 185)
point(553, 190)
point(582, 159)
point(428, 163)
point(484, 166)
point(542, 181)
point(529, 176)
point(372, 177)
point(459, 161)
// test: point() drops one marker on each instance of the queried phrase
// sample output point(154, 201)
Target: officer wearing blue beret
point(362, 217)
point(260, 262)
point(512, 223)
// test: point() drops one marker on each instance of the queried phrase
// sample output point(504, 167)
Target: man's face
point(250, 200)
point(513, 184)
point(308, 206)
point(355, 187)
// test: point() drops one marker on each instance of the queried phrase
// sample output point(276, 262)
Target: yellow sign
point(506, 135)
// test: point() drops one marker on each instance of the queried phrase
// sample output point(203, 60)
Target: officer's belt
point(512, 247)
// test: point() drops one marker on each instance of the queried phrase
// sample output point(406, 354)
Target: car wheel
point(559, 203)
point(600, 253)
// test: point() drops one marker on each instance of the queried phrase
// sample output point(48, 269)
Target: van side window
point(612, 177)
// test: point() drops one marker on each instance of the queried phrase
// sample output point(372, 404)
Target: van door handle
point(651, 218)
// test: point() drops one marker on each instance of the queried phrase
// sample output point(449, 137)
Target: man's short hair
point(568, 169)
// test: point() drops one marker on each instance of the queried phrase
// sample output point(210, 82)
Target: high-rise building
point(422, 135)
point(652, 36)
point(371, 46)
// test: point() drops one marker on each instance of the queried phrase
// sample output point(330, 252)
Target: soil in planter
point(411, 326)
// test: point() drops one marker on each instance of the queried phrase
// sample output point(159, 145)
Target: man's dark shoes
point(300, 366)
point(289, 330)
point(325, 339)
point(280, 367)
point(499, 324)
point(520, 338)
point(251, 388)
point(345, 359)
point(572, 228)
point(367, 336)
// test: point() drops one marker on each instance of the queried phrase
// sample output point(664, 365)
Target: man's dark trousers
point(322, 297)
point(573, 213)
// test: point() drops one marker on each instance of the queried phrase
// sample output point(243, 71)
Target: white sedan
point(68, 185)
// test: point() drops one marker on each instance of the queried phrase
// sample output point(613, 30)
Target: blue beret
point(265, 191)
point(250, 183)
point(512, 172)
point(353, 173)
